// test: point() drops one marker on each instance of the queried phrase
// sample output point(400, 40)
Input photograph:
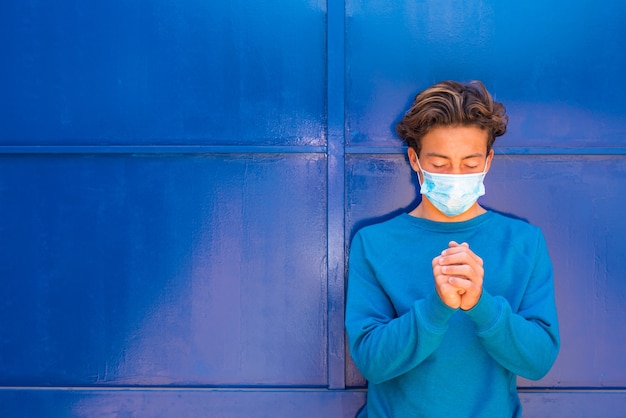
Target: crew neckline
point(448, 226)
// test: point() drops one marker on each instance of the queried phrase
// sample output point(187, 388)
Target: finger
point(441, 279)
point(446, 281)
point(461, 258)
point(461, 248)
point(455, 250)
point(461, 284)
point(458, 255)
point(449, 295)
point(467, 270)
point(461, 270)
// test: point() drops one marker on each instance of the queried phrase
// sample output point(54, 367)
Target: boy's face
point(453, 150)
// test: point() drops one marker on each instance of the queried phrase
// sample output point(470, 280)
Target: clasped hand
point(458, 276)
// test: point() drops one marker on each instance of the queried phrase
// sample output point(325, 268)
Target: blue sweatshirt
point(424, 359)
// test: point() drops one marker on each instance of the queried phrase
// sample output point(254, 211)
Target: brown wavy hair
point(450, 103)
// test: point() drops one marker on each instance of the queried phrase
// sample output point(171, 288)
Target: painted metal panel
point(163, 270)
point(189, 403)
point(163, 72)
point(558, 69)
point(574, 404)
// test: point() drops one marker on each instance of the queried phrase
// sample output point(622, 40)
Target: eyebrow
point(434, 154)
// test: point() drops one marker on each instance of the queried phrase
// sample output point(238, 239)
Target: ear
point(413, 160)
point(489, 160)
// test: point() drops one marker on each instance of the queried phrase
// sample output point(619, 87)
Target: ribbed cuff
point(486, 312)
point(434, 312)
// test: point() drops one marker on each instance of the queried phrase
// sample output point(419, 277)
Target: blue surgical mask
point(452, 194)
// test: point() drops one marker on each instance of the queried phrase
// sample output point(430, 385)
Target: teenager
point(449, 303)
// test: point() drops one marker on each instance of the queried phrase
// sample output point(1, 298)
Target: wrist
point(468, 304)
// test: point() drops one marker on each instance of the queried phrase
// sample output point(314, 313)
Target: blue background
point(180, 181)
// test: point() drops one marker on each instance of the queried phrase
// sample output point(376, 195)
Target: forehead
point(454, 141)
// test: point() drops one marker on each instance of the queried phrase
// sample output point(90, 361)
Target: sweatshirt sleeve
point(525, 342)
point(382, 344)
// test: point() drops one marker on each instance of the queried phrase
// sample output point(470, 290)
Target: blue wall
point(179, 182)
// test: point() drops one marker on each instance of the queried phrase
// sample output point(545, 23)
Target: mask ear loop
point(484, 169)
point(419, 181)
